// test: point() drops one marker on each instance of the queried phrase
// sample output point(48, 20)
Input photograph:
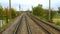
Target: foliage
point(58, 9)
point(58, 23)
point(5, 15)
point(13, 12)
point(39, 11)
point(1, 11)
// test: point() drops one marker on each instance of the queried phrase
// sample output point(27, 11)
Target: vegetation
point(58, 23)
point(44, 13)
point(5, 15)
point(59, 10)
point(39, 11)
point(1, 11)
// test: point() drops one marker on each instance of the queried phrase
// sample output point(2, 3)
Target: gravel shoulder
point(11, 28)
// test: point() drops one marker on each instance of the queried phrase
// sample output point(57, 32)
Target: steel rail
point(17, 27)
point(28, 26)
point(58, 29)
point(33, 18)
point(40, 25)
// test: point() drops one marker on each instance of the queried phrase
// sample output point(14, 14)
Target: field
point(56, 20)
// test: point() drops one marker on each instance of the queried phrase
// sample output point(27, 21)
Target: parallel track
point(42, 25)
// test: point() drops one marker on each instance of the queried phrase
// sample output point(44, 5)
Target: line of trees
point(44, 13)
point(59, 10)
point(4, 12)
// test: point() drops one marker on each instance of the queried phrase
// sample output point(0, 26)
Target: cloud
point(27, 4)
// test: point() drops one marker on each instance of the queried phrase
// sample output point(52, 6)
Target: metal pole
point(19, 7)
point(10, 9)
point(49, 9)
point(32, 9)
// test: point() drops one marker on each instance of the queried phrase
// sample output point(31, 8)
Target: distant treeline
point(4, 12)
point(44, 13)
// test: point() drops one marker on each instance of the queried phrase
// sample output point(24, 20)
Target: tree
point(13, 12)
point(38, 10)
point(58, 9)
point(44, 13)
point(6, 14)
point(1, 12)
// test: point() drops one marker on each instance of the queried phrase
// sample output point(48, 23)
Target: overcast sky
point(27, 4)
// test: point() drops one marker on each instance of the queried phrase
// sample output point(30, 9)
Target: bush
point(58, 23)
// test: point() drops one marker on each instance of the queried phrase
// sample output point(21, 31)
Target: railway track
point(26, 28)
point(23, 26)
point(28, 24)
point(48, 28)
point(9, 28)
point(17, 27)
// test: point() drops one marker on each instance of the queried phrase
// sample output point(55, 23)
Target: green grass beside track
point(5, 25)
point(57, 16)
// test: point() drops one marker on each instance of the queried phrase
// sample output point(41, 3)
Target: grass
point(40, 17)
point(5, 25)
point(58, 23)
point(57, 16)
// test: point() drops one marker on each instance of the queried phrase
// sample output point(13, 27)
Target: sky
point(27, 4)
